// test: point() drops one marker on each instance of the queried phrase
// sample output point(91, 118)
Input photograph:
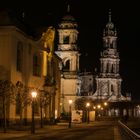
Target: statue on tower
point(48, 39)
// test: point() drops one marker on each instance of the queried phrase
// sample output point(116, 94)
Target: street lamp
point(98, 111)
point(70, 102)
point(88, 105)
point(106, 104)
point(34, 94)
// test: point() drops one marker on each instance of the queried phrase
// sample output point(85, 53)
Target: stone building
point(68, 52)
point(86, 84)
point(28, 62)
point(109, 80)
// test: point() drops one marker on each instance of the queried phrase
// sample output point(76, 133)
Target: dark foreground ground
point(98, 130)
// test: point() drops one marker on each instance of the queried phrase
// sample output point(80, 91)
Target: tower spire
point(109, 15)
point(68, 8)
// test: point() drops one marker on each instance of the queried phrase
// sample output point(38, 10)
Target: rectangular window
point(66, 40)
point(36, 65)
point(19, 56)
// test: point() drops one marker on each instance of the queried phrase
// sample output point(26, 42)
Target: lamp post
point(99, 108)
point(70, 102)
point(34, 94)
point(88, 105)
point(105, 104)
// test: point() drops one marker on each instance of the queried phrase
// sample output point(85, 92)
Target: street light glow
point(88, 104)
point(34, 94)
point(105, 103)
point(99, 106)
point(94, 107)
point(70, 102)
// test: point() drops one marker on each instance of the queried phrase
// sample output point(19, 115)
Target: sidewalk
point(52, 129)
point(38, 131)
point(15, 133)
point(117, 135)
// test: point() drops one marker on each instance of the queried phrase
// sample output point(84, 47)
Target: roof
point(68, 18)
point(9, 18)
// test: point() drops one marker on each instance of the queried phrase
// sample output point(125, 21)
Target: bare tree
point(80, 103)
point(22, 99)
point(7, 96)
point(44, 102)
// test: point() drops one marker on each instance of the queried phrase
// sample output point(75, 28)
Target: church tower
point(109, 80)
point(68, 52)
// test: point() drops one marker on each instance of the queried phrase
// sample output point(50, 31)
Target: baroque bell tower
point(68, 52)
point(109, 80)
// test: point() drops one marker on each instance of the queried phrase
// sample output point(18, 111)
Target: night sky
point(92, 17)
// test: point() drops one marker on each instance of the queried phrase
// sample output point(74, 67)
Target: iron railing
point(127, 133)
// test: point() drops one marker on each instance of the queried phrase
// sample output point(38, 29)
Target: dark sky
point(92, 17)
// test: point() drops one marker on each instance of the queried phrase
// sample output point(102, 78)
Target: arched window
point(19, 56)
point(112, 88)
point(114, 44)
point(67, 66)
point(107, 68)
point(36, 65)
point(112, 68)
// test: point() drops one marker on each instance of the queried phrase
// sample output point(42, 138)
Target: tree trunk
point(41, 119)
point(21, 115)
point(4, 115)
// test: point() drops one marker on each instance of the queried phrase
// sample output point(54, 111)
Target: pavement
point(117, 135)
point(13, 134)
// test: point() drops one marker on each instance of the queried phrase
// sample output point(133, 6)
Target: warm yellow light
point(105, 103)
point(34, 94)
point(138, 106)
point(44, 63)
point(98, 106)
point(102, 108)
point(94, 107)
point(70, 101)
point(88, 104)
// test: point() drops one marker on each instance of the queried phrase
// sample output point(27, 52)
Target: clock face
point(110, 25)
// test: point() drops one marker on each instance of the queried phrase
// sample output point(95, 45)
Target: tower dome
point(110, 30)
point(68, 18)
point(68, 21)
point(110, 25)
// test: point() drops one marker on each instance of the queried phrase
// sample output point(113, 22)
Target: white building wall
point(69, 91)
point(9, 37)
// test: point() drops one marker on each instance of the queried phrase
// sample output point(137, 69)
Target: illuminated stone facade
point(68, 52)
point(28, 61)
point(109, 81)
point(86, 84)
